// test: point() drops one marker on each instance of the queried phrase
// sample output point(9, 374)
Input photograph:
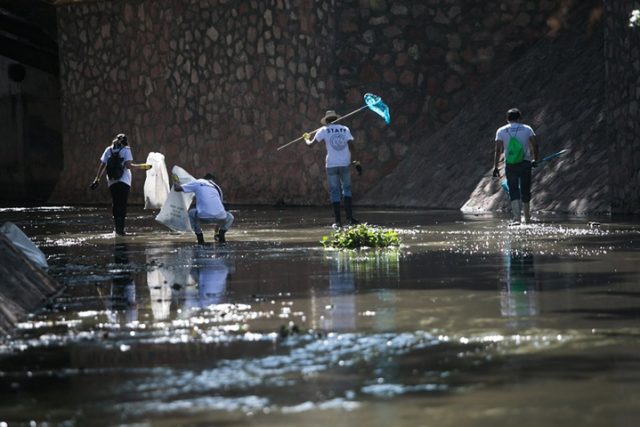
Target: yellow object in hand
point(306, 136)
point(145, 166)
point(175, 178)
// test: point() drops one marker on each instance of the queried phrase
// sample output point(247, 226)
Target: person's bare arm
point(99, 172)
point(308, 139)
point(534, 147)
point(496, 158)
point(130, 165)
point(101, 168)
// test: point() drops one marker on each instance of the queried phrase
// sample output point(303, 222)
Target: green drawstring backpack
point(515, 149)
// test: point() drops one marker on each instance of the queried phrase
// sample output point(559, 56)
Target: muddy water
point(469, 323)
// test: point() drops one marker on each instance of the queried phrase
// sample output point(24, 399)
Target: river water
point(469, 323)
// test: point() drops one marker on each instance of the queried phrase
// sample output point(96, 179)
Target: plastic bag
point(22, 242)
point(174, 210)
point(156, 185)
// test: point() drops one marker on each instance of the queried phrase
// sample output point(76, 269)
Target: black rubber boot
point(200, 238)
point(349, 212)
point(119, 223)
point(221, 238)
point(336, 213)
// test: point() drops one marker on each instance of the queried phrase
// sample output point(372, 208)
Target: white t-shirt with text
point(336, 138)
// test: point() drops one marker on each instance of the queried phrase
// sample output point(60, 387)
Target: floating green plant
point(361, 236)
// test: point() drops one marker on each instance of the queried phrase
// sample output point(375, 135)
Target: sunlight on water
point(272, 325)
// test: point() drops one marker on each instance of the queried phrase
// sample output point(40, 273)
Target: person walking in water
point(209, 207)
point(518, 143)
point(338, 142)
point(117, 162)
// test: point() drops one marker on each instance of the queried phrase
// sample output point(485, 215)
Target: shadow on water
point(532, 323)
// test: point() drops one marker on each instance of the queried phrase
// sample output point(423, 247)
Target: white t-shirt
point(125, 153)
point(208, 200)
point(521, 132)
point(336, 138)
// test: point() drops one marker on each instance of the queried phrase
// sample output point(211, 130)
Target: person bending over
point(209, 207)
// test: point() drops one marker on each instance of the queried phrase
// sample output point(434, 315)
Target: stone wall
point(622, 50)
point(218, 85)
point(558, 85)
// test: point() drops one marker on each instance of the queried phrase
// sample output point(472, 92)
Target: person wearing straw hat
point(338, 140)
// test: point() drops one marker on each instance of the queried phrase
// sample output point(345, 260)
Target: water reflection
point(375, 271)
point(519, 287)
point(167, 279)
point(121, 301)
point(186, 279)
point(341, 313)
point(210, 274)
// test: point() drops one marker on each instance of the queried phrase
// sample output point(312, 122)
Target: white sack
point(156, 185)
point(22, 242)
point(174, 210)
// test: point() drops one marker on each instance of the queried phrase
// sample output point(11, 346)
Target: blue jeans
point(195, 221)
point(339, 179)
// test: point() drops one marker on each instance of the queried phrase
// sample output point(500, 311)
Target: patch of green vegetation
point(361, 236)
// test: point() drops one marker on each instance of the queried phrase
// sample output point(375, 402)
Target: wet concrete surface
point(469, 323)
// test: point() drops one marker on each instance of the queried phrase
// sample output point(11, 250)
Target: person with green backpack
point(518, 143)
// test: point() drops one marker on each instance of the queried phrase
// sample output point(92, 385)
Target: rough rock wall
point(218, 85)
point(622, 50)
point(558, 84)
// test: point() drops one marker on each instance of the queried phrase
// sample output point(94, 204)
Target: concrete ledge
point(24, 286)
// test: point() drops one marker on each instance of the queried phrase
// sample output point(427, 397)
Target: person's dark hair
point(513, 115)
point(121, 140)
point(209, 176)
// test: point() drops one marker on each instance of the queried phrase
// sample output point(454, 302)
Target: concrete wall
point(622, 50)
point(30, 135)
point(218, 85)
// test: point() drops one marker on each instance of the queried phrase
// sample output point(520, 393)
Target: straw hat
point(330, 115)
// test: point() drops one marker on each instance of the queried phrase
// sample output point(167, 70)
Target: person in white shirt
point(518, 143)
point(338, 142)
point(209, 207)
point(120, 183)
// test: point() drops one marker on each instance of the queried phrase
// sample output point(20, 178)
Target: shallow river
point(468, 323)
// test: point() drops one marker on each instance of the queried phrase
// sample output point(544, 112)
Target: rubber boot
point(119, 223)
point(200, 238)
point(515, 212)
point(221, 238)
point(336, 213)
point(526, 210)
point(348, 209)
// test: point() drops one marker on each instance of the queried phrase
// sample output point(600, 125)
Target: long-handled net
point(372, 102)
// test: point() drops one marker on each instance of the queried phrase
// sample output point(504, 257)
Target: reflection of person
point(518, 143)
point(169, 279)
point(209, 207)
point(120, 182)
point(518, 296)
point(123, 287)
point(342, 316)
point(338, 142)
point(211, 275)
